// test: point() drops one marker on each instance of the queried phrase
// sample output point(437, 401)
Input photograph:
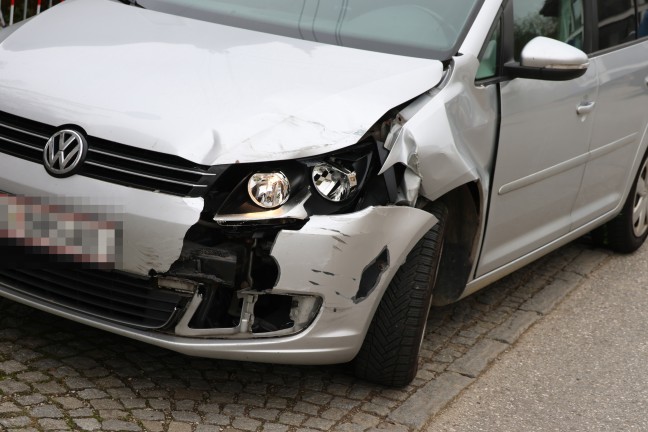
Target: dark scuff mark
point(323, 272)
point(337, 248)
point(371, 275)
point(314, 283)
point(339, 239)
point(337, 231)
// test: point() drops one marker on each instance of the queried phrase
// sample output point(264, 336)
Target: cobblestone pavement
point(56, 375)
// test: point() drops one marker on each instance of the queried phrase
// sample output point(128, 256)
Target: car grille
point(108, 295)
point(111, 161)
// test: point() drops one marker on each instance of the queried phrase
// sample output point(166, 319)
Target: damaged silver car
point(298, 181)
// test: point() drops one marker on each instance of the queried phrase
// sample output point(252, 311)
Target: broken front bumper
point(345, 262)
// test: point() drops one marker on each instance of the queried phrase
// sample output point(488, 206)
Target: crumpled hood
point(206, 92)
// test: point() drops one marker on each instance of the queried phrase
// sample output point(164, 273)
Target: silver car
point(299, 181)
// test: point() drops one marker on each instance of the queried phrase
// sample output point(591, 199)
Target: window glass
point(557, 19)
point(642, 17)
point(420, 28)
point(488, 64)
point(616, 22)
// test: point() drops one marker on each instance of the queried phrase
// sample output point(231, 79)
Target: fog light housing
point(269, 190)
point(334, 183)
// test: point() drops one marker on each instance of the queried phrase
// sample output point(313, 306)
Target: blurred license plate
point(38, 232)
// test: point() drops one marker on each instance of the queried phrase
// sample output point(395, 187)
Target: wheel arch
point(463, 228)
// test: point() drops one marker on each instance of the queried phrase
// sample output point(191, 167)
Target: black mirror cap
point(515, 70)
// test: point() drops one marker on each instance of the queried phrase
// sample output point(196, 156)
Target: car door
point(621, 110)
point(544, 139)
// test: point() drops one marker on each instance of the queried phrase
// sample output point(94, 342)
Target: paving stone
point(159, 404)
point(87, 424)
point(32, 377)
point(68, 403)
point(50, 387)
point(51, 411)
point(179, 427)
point(81, 412)
point(546, 300)
point(317, 398)
point(514, 326)
point(344, 403)
point(11, 367)
point(430, 399)
point(587, 261)
point(120, 425)
point(319, 423)
point(9, 407)
point(274, 427)
point(185, 416)
point(9, 387)
point(292, 419)
point(379, 410)
point(113, 414)
point(49, 424)
point(246, 424)
point(264, 413)
point(234, 410)
point(106, 404)
point(364, 419)
point(307, 408)
point(185, 405)
point(30, 399)
point(217, 419)
point(15, 422)
point(349, 427)
point(478, 357)
point(92, 393)
point(391, 427)
point(252, 400)
point(334, 414)
point(131, 403)
point(151, 426)
point(148, 414)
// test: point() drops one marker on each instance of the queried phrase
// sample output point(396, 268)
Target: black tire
point(622, 234)
point(390, 351)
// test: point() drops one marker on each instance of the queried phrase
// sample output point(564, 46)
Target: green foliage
point(532, 26)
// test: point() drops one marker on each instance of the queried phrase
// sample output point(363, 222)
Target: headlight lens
point(334, 183)
point(269, 190)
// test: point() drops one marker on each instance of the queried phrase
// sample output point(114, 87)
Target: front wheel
point(627, 232)
point(390, 351)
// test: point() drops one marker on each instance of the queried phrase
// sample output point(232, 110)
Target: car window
point(557, 19)
point(489, 57)
point(616, 22)
point(420, 28)
point(642, 18)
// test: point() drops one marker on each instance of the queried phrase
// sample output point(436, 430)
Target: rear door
point(621, 111)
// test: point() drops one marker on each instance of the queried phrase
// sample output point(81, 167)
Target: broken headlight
point(294, 190)
point(334, 183)
point(269, 190)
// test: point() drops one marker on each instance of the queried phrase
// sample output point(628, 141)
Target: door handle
point(585, 108)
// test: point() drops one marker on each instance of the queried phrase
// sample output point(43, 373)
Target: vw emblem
point(64, 153)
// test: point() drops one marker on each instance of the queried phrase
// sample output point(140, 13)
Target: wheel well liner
point(459, 251)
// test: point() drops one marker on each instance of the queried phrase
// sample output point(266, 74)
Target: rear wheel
point(627, 232)
point(389, 353)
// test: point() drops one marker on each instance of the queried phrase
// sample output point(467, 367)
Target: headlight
point(269, 190)
point(334, 183)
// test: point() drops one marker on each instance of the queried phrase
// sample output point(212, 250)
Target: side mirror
point(548, 59)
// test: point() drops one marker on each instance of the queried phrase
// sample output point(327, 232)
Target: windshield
point(419, 28)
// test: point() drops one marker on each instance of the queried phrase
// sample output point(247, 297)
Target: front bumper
point(347, 261)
